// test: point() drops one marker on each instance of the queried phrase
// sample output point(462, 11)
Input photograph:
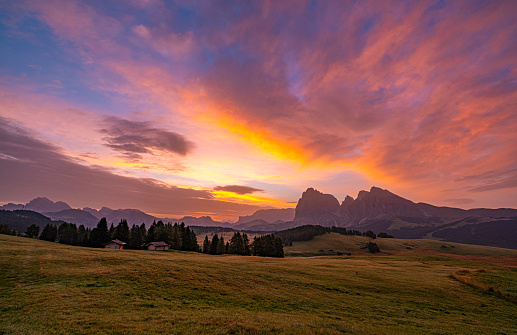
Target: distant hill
point(76, 216)
point(352, 244)
point(206, 221)
point(12, 207)
point(133, 216)
point(268, 215)
point(20, 220)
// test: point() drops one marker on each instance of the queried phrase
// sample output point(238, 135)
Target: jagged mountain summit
point(44, 205)
point(382, 211)
point(315, 207)
point(318, 208)
point(89, 217)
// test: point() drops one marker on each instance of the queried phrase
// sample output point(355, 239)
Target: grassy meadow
point(352, 244)
point(48, 288)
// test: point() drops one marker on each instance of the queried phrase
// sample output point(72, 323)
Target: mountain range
point(378, 210)
point(382, 211)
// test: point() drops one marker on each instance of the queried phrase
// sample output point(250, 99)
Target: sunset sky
point(221, 108)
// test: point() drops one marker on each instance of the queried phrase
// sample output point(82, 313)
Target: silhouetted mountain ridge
point(382, 211)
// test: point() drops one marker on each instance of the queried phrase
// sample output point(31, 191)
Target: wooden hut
point(157, 246)
point(114, 244)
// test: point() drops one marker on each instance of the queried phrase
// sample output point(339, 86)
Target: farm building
point(114, 244)
point(157, 246)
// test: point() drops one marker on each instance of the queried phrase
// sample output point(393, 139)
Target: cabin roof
point(119, 242)
point(157, 244)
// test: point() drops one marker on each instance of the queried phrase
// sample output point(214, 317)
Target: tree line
point(178, 236)
point(239, 244)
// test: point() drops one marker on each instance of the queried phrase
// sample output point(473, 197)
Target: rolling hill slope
point(48, 288)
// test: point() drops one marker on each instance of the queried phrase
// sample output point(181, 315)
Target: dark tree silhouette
point(214, 244)
point(373, 247)
point(100, 234)
point(206, 245)
point(221, 246)
point(49, 233)
point(67, 233)
point(32, 231)
point(267, 246)
point(121, 232)
point(83, 236)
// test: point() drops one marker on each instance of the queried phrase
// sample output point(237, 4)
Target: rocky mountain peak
point(317, 206)
point(44, 205)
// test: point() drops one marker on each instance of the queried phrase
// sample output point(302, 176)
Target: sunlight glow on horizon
point(418, 98)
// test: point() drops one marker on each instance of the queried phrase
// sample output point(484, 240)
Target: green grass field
point(48, 288)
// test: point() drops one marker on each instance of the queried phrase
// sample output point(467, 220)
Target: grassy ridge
point(47, 288)
point(352, 244)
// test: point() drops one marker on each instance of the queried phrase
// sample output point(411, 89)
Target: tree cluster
point(4, 229)
point(267, 246)
point(177, 235)
point(239, 244)
point(373, 247)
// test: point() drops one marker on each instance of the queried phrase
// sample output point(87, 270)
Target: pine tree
point(67, 233)
point(214, 245)
point(247, 248)
point(267, 246)
point(150, 233)
point(100, 234)
point(143, 232)
point(206, 245)
point(112, 230)
point(176, 240)
point(32, 231)
point(221, 246)
point(136, 239)
point(49, 233)
point(121, 233)
point(237, 244)
point(82, 235)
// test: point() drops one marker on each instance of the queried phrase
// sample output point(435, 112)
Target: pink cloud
point(412, 94)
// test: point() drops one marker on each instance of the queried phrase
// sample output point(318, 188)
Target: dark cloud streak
point(30, 167)
point(133, 138)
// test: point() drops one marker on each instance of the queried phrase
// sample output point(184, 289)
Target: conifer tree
point(206, 245)
point(100, 234)
point(121, 232)
point(136, 240)
point(268, 246)
point(150, 232)
point(247, 248)
point(49, 233)
point(82, 235)
point(67, 233)
point(214, 245)
point(143, 232)
point(32, 231)
point(221, 246)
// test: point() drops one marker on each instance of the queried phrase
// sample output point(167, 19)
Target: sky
point(221, 108)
